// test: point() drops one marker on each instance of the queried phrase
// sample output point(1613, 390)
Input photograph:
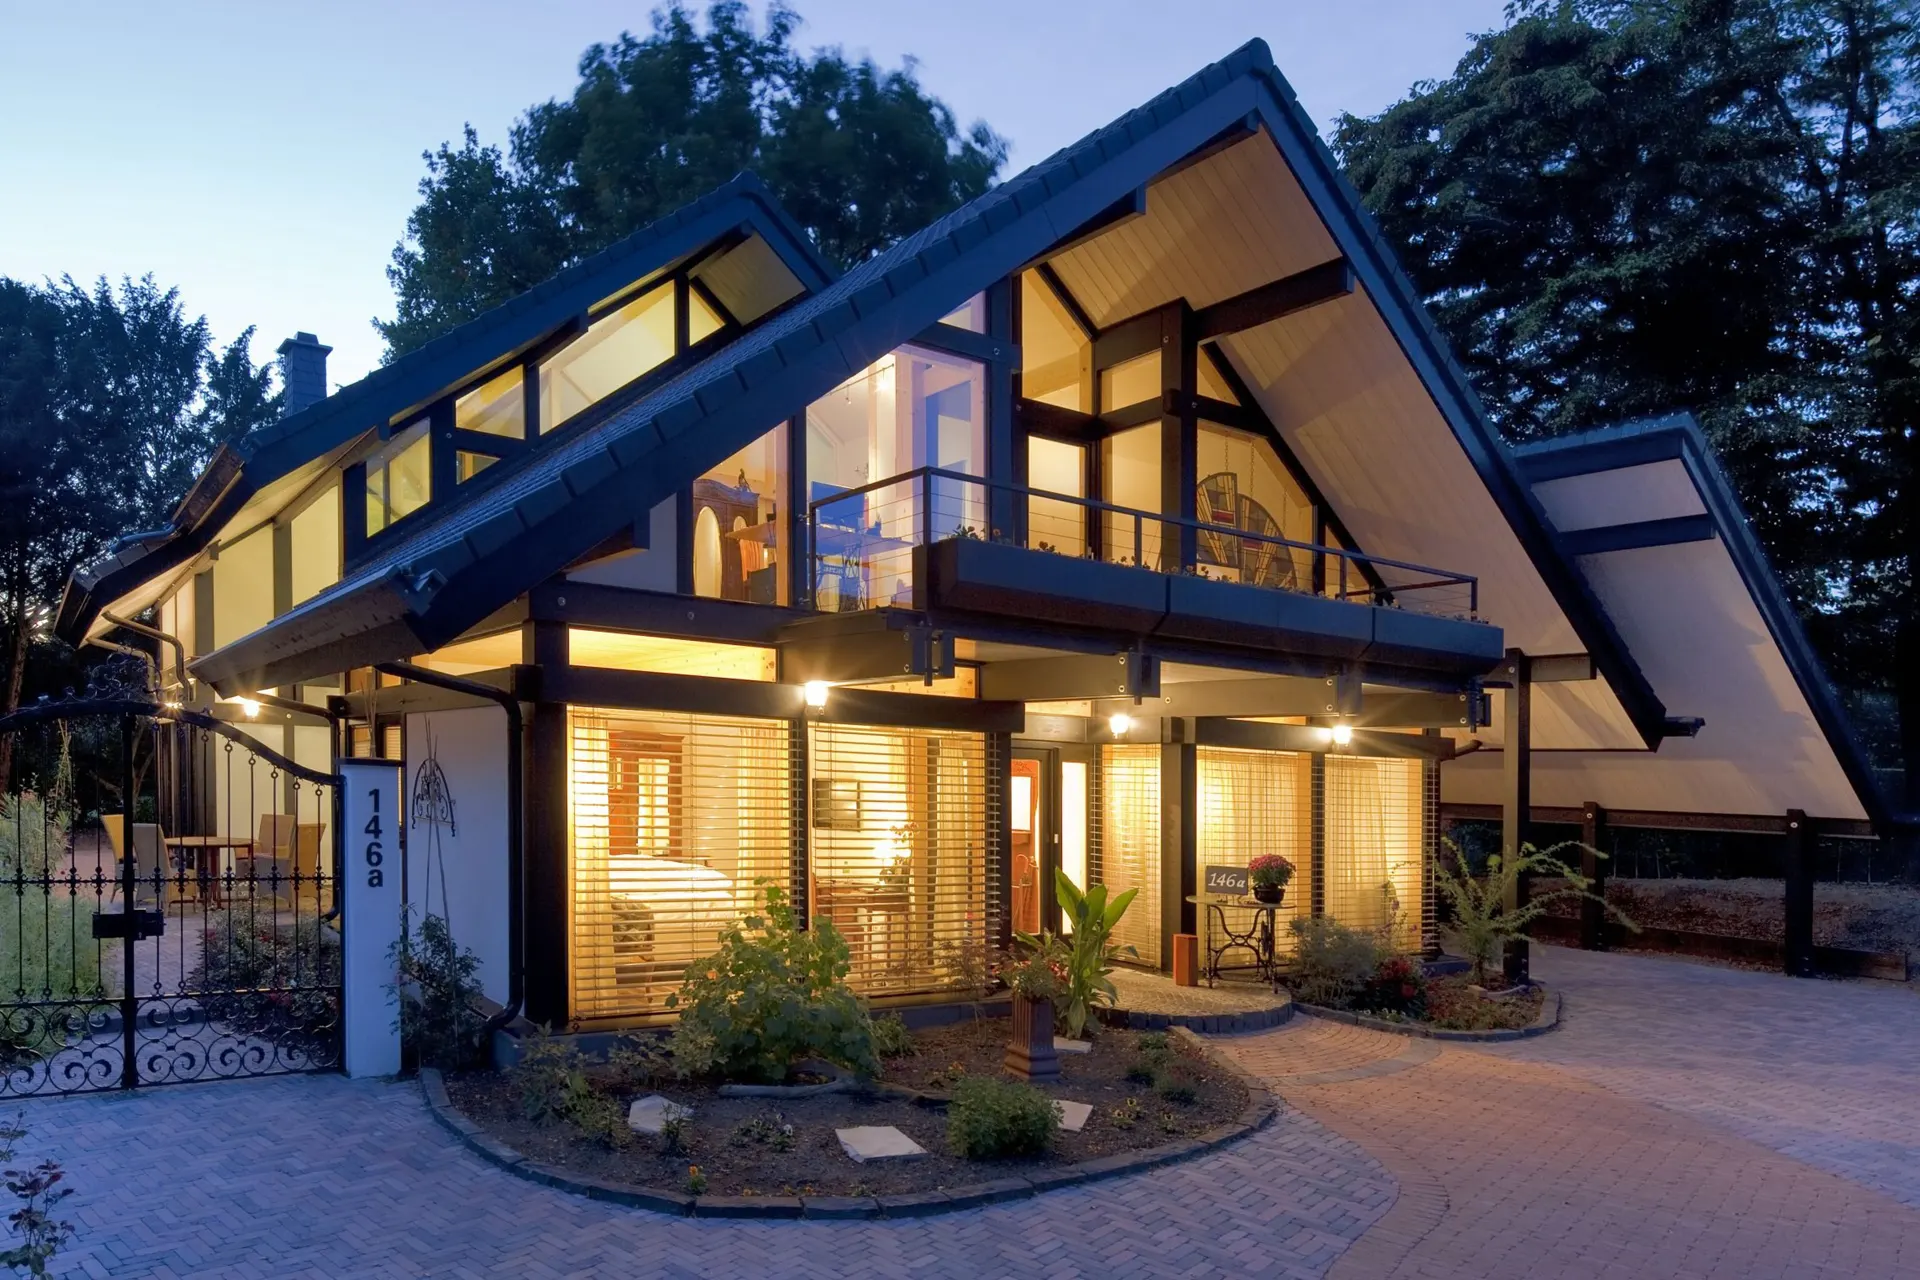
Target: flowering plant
point(1039, 971)
point(1270, 869)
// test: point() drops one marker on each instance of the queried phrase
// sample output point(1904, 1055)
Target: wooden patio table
point(206, 863)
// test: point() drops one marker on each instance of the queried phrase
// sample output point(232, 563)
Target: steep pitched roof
point(242, 469)
point(427, 588)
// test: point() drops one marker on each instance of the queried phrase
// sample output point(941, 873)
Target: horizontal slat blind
point(1376, 847)
point(1250, 803)
point(1127, 842)
point(673, 819)
point(898, 853)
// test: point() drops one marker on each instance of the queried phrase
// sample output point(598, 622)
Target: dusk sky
point(264, 158)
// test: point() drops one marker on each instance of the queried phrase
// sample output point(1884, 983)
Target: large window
point(495, 408)
point(1057, 466)
point(1243, 486)
point(1126, 842)
point(739, 538)
point(910, 409)
point(1130, 465)
point(1376, 846)
point(673, 818)
point(1056, 357)
point(615, 349)
point(399, 477)
point(1250, 803)
point(898, 853)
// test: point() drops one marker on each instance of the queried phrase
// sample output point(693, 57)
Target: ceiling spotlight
point(1119, 722)
point(1342, 734)
point(249, 708)
point(816, 691)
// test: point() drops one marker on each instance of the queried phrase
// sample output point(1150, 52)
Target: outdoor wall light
point(249, 708)
point(816, 691)
point(1342, 734)
point(1119, 722)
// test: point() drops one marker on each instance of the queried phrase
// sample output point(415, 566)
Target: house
point(1131, 520)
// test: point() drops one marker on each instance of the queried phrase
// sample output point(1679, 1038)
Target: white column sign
point(370, 919)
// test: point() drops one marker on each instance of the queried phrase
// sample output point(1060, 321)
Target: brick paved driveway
point(1686, 1121)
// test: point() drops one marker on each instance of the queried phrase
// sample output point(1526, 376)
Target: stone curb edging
point(1213, 1024)
point(1548, 1020)
point(1261, 1108)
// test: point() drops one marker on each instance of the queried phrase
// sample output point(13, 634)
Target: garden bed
point(744, 1153)
point(1453, 1010)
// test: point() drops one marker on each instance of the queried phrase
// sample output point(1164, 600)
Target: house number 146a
point(373, 853)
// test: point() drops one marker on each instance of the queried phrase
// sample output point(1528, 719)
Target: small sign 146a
point(1226, 882)
point(374, 854)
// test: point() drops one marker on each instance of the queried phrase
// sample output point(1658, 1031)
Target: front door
point(1030, 815)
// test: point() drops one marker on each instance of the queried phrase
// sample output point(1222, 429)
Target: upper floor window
point(1056, 357)
point(739, 543)
point(970, 315)
point(399, 477)
point(497, 407)
point(615, 349)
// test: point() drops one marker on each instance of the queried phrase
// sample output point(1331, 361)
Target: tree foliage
point(1618, 208)
point(859, 155)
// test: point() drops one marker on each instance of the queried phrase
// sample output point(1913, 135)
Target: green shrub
point(1175, 1087)
point(992, 1119)
point(1398, 986)
point(438, 987)
point(1332, 963)
point(639, 1061)
point(275, 982)
point(773, 993)
point(542, 1073)
point(891, 1039)
point(1481, 921)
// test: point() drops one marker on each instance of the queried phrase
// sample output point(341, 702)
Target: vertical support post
point(546, 853)
point(129, 1001)
point(1179, 426)
point(1317, 834)
point(370, 915)
point(1179, 788)
point(1593, 917)
point(1517, 797)
point(1006, 461)
point(797, 792)
point(1798, 859)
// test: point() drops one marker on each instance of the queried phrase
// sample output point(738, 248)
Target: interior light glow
point(1342, 734)
point(249, 708)
point(1119, 722)
point(816, 691)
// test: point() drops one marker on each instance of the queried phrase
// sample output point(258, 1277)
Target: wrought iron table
point(207, 863)
point(1257, 938)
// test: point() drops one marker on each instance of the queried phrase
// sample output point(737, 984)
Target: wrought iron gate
point(168, 906)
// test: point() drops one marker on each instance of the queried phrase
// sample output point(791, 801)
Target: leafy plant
point(1481, 919)
point(1175, 1087)
point(438, 986)
point(1127, 1114)
point(275, 982)
point(1331, 962)
point(38, 1189)
point(1398, 986)
point(772, 993)
point(696, 1183)
point(541, 1075)
point(1037, 967)
point(638, 1061)
point(891, 1039)
point(1091, 951)
point(991, 1119)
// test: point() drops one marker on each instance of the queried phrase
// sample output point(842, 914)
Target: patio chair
point(309, 854)
point(269, 864)
point(151, 869)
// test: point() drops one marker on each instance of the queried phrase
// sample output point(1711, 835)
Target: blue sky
point(264, 157)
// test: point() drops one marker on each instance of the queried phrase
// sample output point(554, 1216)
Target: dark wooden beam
point(1067, 300)
point(873, 655)
point(1128, 207)
point(1593, 865)
point(1415, 709)
point(1282, 297)
point(1037, 417)
point(1766, 824)
point(1262, 735)
point(1252, 696)
point(1121, 675)
point(1546, 668)
point(1517, 798)
point(586, 604)
point(660, 691)
point(1669, 532)
point(1797, 859)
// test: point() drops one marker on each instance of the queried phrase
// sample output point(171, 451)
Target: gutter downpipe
point(155, 633)
point(516, 827)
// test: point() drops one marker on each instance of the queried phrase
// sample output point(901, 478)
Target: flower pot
point(1030, 1053)
point(1269, 892)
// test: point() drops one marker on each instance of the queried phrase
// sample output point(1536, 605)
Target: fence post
point(1799, 895)
point(129, 1002)
point(1593, 865)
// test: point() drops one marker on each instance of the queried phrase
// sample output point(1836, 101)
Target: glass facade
point(1243, 486)
point(615, 349)
point(1056, 357)
point(739, 534)
point(399, 477)
point(496, 408)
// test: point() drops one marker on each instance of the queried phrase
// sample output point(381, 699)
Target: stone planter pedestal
point(1030, 1054)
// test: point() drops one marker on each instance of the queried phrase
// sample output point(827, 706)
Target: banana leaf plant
point(1090, 949)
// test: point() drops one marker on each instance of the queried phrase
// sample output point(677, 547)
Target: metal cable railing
point(860, 545)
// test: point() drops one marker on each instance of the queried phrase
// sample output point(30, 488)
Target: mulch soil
point(732, 1140)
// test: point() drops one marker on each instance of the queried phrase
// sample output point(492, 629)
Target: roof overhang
point(1655, 527)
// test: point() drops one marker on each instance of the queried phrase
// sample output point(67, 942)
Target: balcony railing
point(860, 545)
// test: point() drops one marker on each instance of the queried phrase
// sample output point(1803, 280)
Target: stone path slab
point(867, 1143)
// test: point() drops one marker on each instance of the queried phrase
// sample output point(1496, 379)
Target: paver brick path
point(1685, 1121)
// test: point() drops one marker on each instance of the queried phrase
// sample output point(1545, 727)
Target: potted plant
point(1037, 976)
point(1268, 874)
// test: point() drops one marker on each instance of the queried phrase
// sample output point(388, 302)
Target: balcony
point(938, 540)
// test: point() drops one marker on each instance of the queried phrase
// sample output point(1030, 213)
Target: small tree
point(1480, 915)
point(438, 987)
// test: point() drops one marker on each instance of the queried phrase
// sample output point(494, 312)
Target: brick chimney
point(303, 370)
